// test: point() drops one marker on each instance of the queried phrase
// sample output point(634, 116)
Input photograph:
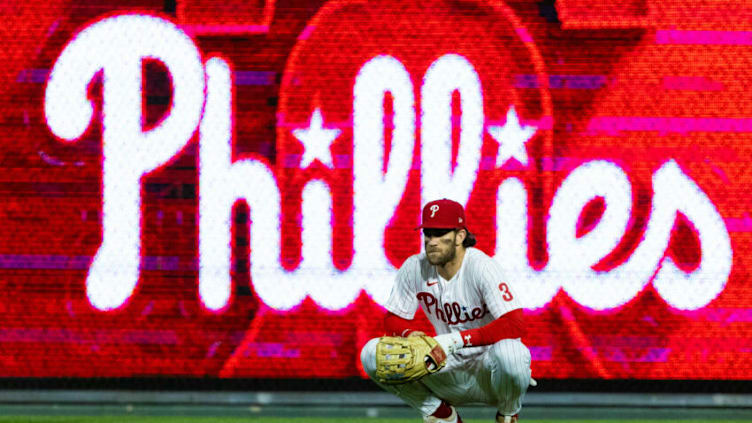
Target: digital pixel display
point(227, 188)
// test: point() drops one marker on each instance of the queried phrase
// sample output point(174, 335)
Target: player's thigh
point(508, 358)
point(458, 386)
point(504, 369)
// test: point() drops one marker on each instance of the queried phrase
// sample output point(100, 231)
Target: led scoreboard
point(227, 189)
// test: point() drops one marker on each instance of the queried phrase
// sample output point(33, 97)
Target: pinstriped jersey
point(476, 295)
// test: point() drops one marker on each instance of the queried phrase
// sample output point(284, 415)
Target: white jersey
point(476, 295)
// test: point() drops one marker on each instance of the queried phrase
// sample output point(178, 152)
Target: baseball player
point(477, 317)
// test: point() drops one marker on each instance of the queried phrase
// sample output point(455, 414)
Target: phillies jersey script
point(477, 294)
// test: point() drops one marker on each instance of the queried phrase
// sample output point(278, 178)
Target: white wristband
point(450, 342)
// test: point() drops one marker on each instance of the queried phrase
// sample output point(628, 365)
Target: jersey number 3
point(505, 293)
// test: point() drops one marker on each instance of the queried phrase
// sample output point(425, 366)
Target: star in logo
point(512, 138)
point(316, 140)
point(468, 342)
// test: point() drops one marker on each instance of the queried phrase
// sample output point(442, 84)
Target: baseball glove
point(401, 360)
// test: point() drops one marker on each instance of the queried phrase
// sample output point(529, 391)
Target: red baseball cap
point(443, 214)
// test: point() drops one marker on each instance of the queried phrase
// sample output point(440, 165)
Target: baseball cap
point(443, 214)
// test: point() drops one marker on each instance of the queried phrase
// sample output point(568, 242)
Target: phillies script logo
point(450, 313)
point(375, 118)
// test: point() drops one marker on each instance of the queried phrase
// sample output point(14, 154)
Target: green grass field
point(173, 413)
point(183, 419)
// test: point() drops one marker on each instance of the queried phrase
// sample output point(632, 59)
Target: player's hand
point(416, 333)
point(450, 342)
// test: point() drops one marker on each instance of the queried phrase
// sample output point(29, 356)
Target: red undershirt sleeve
point(509, 326)
point(397, 326)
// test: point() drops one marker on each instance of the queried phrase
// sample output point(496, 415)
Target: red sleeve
point(509, 325)
point(397, 326)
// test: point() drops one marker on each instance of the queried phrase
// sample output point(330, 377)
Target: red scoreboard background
point(226, 188)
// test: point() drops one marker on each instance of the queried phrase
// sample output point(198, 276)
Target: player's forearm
point(509, 326)
point(397, 326)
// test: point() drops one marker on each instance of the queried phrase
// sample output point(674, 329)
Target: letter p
point(117, 46)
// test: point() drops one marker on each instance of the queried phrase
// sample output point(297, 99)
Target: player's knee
point(512, 362)
point(368, 357)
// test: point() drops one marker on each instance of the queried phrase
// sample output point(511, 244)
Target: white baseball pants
point(499, 377)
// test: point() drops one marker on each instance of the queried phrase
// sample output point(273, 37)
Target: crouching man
point(477, 355)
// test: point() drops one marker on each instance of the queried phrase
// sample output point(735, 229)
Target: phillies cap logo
point(444, 213)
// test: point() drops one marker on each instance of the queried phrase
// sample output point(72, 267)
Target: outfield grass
point(183, 419)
